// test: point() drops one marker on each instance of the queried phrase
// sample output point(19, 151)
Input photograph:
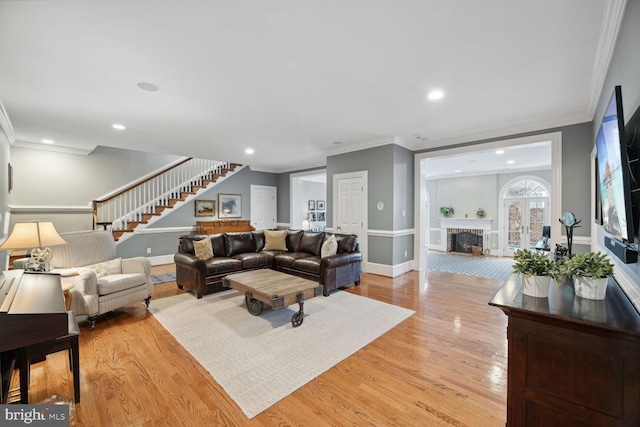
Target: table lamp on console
point(34, 235)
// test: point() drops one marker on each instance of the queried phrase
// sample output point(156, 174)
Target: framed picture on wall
point(229, 205)
point(312, 205)
point(313, 216)
point(321, 217)
point(320, 205)
point(205, 207)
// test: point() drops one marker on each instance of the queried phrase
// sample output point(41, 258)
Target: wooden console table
point(223, 226)
point(572, 361)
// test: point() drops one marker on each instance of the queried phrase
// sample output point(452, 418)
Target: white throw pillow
point(329, 247)
point(107, 268)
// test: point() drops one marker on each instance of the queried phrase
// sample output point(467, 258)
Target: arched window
point(526, 188)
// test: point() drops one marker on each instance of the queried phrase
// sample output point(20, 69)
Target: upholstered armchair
point(102, 282)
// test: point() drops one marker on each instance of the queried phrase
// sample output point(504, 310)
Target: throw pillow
point(203, 248)
point(329, 247)
point(275, 240)
point(106, 268)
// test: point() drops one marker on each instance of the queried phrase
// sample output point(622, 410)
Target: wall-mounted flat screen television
point(613, 172)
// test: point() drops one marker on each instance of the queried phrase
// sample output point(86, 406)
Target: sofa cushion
point(275, 240)
point(258, 237)
point(186, 242)
point(346, 242)
point(288, 259)
point(255, 260)
point(293, 240)
point(218, 245)
point(329, 247)
point(119, 282)
point(239, 243)
point(220, 265)
point(311, 242)
point(310, 264)
point(203, 249)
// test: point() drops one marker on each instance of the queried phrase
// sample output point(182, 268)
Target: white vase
point(535, 286)
point(588, 287)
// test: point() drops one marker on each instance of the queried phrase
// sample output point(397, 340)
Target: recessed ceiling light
point(500, 152)
point(249, 151)
point(457, 171)
point(148, 87)
point(118, 126)
point(337, 142)
point(511, 162)
point(436, 94)
point(47, 141)
point(472, 161)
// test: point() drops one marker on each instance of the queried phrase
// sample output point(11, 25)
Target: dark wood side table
point(572, 361)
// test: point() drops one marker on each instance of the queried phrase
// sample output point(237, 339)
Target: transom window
point(526, 188)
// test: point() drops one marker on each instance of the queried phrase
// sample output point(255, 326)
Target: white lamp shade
point(29, 235)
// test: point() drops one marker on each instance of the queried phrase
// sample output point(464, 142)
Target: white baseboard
point(161, 259)
point(389, 270)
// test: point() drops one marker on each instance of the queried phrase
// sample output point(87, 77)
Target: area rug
point(259, 360)
point(163, 278)
point(489, 267)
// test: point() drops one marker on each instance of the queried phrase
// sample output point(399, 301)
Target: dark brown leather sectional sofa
point(235, 252)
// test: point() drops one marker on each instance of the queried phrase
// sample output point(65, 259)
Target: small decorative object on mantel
point(446, 211)
point(536, 272)
point(481, 213)
point(590, 272)
point(568, 219)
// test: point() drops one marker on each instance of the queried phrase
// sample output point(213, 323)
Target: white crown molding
point(508, 133)
point(372, 143)
point(611, 23)
point(5, 124)
point(85, 151)
point(302, 166)
point(45, 208)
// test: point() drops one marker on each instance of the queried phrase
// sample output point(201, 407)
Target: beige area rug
point(259, 360)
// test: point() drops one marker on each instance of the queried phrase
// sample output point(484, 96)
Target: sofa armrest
point(138, 265)
point(338, 260)
point(84, 292)
point(191, 272)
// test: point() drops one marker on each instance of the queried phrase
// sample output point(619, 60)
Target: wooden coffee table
point(274, 289)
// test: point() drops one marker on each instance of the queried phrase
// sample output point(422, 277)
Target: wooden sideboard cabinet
point(571, 361)
point(223, 226)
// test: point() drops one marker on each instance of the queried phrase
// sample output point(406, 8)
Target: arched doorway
point(525, 212)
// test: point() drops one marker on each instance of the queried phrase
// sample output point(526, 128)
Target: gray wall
point(624, 70)
point(391, 181)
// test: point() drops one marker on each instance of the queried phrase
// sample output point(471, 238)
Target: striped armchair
point(102, 282)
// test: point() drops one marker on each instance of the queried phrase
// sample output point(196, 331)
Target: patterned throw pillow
point(329, 247)
point(203, 248)
point(275, 240)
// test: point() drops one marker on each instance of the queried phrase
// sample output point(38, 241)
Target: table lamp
point(34, 235)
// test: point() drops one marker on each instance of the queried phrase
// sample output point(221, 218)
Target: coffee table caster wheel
point(254, 306)
point(297, 319)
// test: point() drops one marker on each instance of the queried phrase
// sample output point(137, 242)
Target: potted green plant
point(590, 272)
point(481, 213)
point(536, 272)
point(446, 211)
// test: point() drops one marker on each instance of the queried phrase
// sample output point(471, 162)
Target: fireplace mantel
point(466, 223)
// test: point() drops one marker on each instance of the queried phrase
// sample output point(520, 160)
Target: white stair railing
point(132, 203)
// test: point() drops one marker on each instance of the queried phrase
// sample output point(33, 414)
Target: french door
point(524, 220)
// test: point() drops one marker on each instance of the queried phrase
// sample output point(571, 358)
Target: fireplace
point(463, 241)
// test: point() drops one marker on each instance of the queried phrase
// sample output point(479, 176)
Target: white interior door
point(350, 207)
point(263, 207)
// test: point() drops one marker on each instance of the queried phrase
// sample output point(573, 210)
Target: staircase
point(133, 208)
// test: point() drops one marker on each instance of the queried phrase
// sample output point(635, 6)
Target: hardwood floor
point(444, 366)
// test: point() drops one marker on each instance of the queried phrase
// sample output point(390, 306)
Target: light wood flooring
point(444, 366)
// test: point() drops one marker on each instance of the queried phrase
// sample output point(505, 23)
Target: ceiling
point(296, 80)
